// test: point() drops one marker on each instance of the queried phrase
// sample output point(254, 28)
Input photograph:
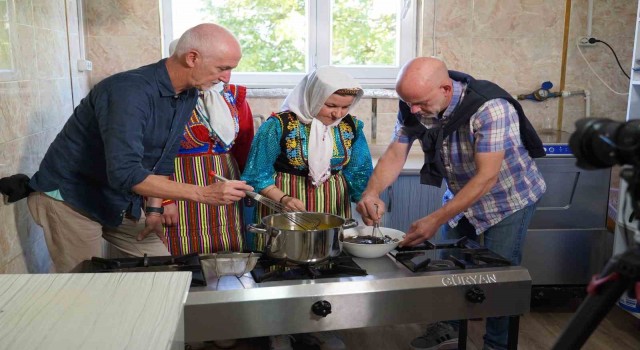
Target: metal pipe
point(589, 17)
point(587, 99)
point(374, 119)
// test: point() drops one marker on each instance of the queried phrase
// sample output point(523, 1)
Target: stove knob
point(475, 295)
point(321, 308)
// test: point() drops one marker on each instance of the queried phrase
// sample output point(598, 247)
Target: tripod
point(622, 273)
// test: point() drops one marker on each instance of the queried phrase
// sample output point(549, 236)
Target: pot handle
point(257, 228)
point(350, 223)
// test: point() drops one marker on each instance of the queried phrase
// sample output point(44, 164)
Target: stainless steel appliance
point(567, 241)
point(462, 280)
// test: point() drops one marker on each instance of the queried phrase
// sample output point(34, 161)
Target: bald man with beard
point(106, 172)
point(476, 137)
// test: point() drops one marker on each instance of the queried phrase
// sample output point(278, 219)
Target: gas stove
point(190, 262)
point(460, 254)
point(269, 270)
point(460, 280)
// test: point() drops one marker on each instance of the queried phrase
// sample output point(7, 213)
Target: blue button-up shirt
point(127, 128)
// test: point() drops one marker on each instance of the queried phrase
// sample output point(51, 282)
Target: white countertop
point(411, 167)
point(141, 310)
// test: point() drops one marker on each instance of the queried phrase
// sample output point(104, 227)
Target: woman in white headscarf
point(216, 139)
point(312, 155)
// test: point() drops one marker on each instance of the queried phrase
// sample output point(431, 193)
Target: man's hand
point(223, 193)
point(153, 223)
point(171, 215)
point(420, 231)
point(371, 208)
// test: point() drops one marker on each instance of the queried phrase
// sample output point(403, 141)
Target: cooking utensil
point(285, 240)
point(229, 263)
point(303, 222)
point(371, 250)
point(375, 231)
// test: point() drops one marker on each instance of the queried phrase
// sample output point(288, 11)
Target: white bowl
point(370, 250)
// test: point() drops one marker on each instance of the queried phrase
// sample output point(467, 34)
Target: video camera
point(602, 143)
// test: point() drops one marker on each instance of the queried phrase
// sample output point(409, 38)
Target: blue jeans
point(507, 239)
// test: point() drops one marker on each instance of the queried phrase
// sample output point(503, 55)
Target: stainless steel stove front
point(232, 308)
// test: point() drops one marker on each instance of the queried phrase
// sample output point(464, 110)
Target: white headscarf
point(212, 106)
point(306, 100)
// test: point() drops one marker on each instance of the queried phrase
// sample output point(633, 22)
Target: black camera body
point(602, 143)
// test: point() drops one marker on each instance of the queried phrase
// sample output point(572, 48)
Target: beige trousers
point(72, 237)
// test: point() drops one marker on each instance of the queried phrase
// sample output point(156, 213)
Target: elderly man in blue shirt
point(477, 137)
point(106, 173)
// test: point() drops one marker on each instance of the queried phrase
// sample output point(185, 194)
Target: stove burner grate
point(458, 254)
point(270, 270)
point(189, 262)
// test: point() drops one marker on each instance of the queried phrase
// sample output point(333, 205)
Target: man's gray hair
point(191, 39)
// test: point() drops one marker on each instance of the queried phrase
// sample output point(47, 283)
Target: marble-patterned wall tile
point(453, 18)
point(16, 110)
point(113, 54)
point(542, 115)
point(16, 265)
point(50, 14)
point(24, 12)
point(455, 52)
point(14, 224)
point(123, 17)
point(37, 258)
point(613, 22)
point(26, 53)
point(265, 106)
point(517, 18)
point(55, 102)
point(612, 18)
point(52, 54)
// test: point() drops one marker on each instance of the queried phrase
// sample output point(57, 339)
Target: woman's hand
point(293, 203)
point(170, 215)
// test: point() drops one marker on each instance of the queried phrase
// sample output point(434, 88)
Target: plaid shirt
point(493, 128)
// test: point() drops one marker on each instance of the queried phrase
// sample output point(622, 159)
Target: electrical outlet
point(84, 65)
point(584, 41)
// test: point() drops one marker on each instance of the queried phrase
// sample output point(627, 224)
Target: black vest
point(477, 93)
point(282, 163)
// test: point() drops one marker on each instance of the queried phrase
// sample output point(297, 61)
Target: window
point(284, 39)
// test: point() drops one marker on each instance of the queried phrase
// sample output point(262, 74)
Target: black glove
point(15, 187)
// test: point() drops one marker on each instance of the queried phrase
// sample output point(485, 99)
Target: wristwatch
point(159, 210)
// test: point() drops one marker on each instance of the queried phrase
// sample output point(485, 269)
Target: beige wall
point(516, 43)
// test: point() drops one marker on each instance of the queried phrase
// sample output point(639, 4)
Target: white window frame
point(318, 47)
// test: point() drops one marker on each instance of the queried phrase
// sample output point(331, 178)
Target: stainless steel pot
point(286, 241)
